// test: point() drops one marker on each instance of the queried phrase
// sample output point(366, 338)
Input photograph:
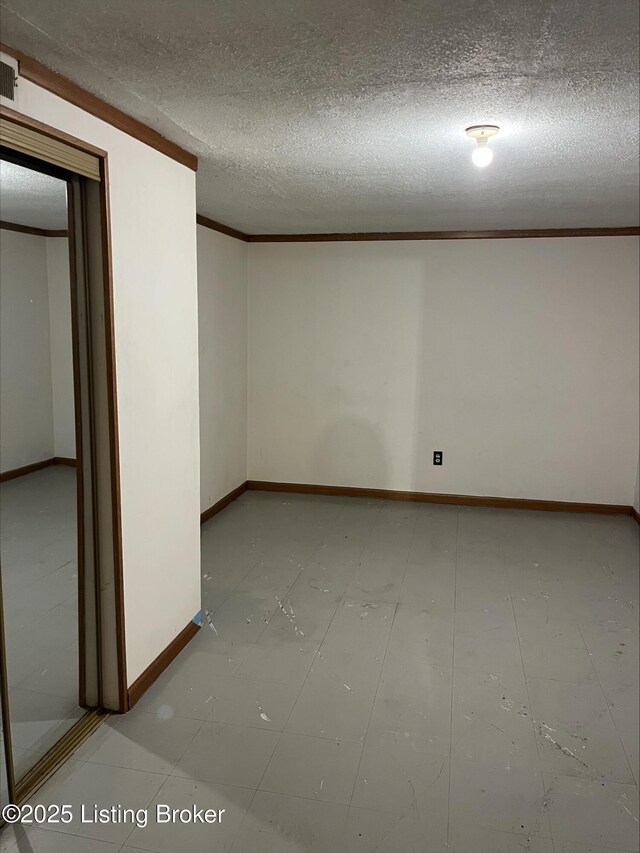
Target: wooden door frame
point(111, 388)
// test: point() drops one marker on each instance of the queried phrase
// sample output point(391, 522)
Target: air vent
point(7, 81)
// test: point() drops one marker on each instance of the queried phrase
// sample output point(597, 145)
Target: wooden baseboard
point(222, 503)
point(26, 469)
point(434, 497)
point(157, 667)
point(64, 460)
point(36, 466)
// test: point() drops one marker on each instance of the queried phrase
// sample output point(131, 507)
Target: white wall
point(37, 358)
point(517, 358)
point(64, 430)
point(222, 310)
point(26, 409)
point(153, 230)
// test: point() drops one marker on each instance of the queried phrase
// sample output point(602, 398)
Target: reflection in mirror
point(38, 532)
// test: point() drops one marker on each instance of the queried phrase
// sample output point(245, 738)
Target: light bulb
point(482, 155)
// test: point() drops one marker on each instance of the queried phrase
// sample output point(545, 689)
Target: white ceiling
point(349, 115)
point(31, 198)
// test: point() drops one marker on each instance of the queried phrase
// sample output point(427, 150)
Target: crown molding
point(222, 229)
point(372, 236)
point(32, 70)
point(510, 234)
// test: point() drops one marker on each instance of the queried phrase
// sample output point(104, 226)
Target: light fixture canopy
point(482, 155)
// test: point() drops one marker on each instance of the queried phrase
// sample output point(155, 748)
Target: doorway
point(61, 638)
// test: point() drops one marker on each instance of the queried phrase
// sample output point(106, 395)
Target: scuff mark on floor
point(547, 797)
point(564, 749)
point(210, 622)
point(439, 772)
point(290, 616)
point(331, 672)
point(580, 737)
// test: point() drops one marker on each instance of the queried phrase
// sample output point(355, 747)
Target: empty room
point(320, 426)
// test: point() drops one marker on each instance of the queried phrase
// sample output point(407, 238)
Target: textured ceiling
point(326, 115)
point(31, 198)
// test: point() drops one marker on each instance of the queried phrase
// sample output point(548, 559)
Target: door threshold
point(59, 753)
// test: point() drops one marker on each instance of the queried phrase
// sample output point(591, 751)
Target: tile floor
point(389, 677)
point(38, 552)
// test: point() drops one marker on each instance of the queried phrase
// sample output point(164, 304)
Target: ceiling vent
point(8, 81)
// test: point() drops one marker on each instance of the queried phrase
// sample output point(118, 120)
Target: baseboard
point(157, 667)
point(222, 503)
point(635, 514)
point(26, 469)
point(436, 498)
point(36, 466)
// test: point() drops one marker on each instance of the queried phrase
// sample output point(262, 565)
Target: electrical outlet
point(437, 457)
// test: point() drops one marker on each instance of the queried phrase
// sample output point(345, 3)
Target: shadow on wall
point(350, 452)
point(461, 376)
point(421, 479)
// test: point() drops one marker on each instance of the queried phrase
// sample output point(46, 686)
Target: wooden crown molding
point(511, 234)
point(223, 229)
point(31, 69)
point(371, 236)
point(27, 229)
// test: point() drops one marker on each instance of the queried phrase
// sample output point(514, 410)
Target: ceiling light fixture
point(482, 154)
